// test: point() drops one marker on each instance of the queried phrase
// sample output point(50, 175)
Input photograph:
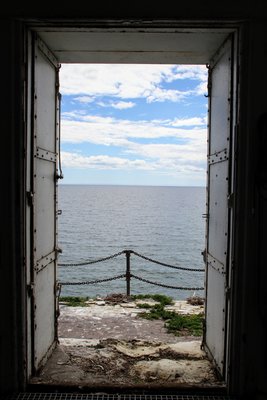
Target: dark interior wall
point(139, 9)
point(249, 318)
point(12, 216)
point(248, 366)
point(251, 252)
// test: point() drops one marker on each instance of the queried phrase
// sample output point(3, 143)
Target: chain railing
point(128, 275)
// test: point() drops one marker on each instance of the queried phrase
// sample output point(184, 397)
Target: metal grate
point(73, 396)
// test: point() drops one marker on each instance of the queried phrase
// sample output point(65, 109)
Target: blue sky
point(134, 124)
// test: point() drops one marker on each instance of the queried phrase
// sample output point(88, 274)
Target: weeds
point(74, 301)
point(185, 324)
point(178, 324)
point(144, 305)
point(160, 298)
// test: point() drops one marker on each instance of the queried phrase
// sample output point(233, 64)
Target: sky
point(130, 124)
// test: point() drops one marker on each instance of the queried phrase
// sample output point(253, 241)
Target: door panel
point(44, 205)
point(217, 239)
point(45, 86)
point(45, 313)
point(215, 316)
point(218, 210)
point(44, 208)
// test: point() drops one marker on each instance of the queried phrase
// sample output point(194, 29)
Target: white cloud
point(186, 152)
point(193, 72)
point(75, 160)
point(105, 162)
point(84, 99)
point(164, 146)
point(119, 105)
point(128, 81)
point(112, 131)
point(159, 94)
point(201, 89)
point(193, 122)
point(172, 154)
point(122, 105)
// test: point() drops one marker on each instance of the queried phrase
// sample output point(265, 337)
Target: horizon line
point(126, 184)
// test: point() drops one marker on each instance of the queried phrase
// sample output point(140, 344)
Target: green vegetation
point(160, 298)
point(157, 312)
point(74, 301)
point(191, 324)
point(143, 305)
point(178, 324)
point(175, 323)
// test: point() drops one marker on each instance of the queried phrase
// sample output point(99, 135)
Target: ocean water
point(162, 223)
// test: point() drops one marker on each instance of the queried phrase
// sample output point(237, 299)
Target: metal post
point(128, 272)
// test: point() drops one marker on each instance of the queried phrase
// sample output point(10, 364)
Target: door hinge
point(58, 251)
point(29, 198)
point(204, 255)
point(227, 292)
point(209, 81)
point(30, 289)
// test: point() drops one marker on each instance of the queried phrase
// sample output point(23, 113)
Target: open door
point(219, 195)
point(42, 199)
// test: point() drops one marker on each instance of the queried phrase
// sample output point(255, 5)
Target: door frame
point(164, 27)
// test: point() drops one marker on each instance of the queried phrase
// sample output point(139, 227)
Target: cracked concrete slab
point(182, 371)
point(108, 345)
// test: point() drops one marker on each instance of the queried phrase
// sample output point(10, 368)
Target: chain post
point(128, 272)
point(128, 275)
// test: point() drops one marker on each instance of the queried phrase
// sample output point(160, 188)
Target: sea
point(162, 223)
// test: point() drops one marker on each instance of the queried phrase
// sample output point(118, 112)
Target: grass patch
point(178, 324)
point(185, 324)
point(160, 298)
point(74, 301)
point(144, 305)
point(157, 312)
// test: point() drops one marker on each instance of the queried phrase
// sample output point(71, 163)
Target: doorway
point(47, 46)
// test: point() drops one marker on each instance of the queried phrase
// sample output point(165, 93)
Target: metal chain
point(132, 252)
point(91, 262)
point(166, 286)
point(124, 275)
point(166, 265)
point(94, 282)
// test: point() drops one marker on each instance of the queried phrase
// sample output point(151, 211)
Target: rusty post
point(128, 272)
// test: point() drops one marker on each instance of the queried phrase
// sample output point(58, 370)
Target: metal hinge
point(204, 255)
point(59, 176)
point(58, 251)
point(228, 292)
point(30, 198)
point(30, 289)
point(209, 81)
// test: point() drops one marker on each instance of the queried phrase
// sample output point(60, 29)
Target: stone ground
point(106, 344)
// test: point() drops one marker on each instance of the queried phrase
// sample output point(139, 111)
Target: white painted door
point(218, 211)
point(44, 122)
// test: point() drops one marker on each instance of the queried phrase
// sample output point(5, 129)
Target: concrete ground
point(106, 344)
